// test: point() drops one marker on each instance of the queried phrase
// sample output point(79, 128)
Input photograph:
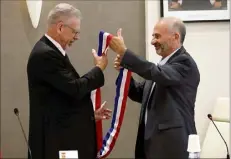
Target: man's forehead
point(75, 22)
point(159, 27)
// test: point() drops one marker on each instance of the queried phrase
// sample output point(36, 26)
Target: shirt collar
point(56, 44)
point(163, 61)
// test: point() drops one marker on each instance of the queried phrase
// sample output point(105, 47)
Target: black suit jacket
point(61, 110)
point(171, 106)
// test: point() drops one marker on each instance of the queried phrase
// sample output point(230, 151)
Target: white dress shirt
point(56, 44)
point(162, 62)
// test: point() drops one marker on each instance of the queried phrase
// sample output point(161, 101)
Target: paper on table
point(68, 154)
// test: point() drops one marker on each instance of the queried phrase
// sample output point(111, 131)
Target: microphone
point(16, 112)
point(211, 118)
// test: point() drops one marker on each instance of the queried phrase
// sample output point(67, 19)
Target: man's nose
point(153, 41)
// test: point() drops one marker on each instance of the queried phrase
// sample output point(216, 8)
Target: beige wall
point(17, 39)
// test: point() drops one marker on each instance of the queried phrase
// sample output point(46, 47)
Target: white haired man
point(61, 111)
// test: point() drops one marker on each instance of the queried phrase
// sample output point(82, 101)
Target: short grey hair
point(62, 11)
point(179, 27)
point(176, 25)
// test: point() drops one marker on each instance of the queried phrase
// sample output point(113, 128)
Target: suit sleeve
point(168, 74)
point(51, 69)
point(136, 91)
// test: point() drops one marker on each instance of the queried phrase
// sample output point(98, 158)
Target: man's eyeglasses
point(73, 30)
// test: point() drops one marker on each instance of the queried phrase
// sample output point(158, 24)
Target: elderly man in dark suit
point(62, 116)
point(168, 93)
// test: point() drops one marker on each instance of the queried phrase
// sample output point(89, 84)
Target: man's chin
point(158, 52)
point(69, 45)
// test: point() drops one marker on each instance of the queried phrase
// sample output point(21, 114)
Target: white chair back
point(213, 145)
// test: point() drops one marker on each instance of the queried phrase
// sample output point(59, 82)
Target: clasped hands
point(118, 46)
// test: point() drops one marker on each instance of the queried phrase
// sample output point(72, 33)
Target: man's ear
point(59, 27)
point(177, 36)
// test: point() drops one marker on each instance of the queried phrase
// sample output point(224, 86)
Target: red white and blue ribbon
point(104, 39)
point(106, 145)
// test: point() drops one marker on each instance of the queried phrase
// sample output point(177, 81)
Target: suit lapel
point(147, 91)
point(71, 66)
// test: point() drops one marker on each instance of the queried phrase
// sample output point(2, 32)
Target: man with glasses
point(62, 119)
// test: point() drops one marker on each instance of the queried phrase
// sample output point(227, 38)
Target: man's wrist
point(122, 52)
point(101, 67)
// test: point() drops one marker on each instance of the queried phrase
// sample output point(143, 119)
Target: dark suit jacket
point(61, 111)
point(171, 107)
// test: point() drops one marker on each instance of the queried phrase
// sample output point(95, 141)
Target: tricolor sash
point(104, 39)
point(106, 145)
